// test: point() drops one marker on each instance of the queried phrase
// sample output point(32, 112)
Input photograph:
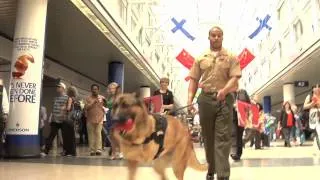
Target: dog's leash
point(176, 110)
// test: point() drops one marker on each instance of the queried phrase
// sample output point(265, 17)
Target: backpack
point(314, 115)
point(306, 114)
point(76, 112)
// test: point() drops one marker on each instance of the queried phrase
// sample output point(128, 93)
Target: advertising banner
point(26, 68)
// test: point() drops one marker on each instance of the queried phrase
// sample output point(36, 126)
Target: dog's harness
point(159, 133)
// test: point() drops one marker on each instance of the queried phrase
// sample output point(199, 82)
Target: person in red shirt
point(286, 122)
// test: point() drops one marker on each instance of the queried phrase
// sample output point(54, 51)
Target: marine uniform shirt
point(215, 70)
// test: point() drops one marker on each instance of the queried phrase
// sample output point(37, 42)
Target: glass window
point(157, 57)
point(280, 49)
point(284, 13)
point(148, 41)
point(149, 19)
point(163, 68)
point(122, 10)
point(298, 30)
point(140, 36)
point(133, 24)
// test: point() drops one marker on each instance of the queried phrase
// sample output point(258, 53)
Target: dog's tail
point(194, 163)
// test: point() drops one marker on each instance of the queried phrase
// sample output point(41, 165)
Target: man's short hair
point(216, 27)
point(95, 85)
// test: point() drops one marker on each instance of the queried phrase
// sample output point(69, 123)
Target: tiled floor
point(275, 163)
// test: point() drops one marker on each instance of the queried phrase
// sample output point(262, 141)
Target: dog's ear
point(138, 97)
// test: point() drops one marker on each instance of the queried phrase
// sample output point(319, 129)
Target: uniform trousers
point(216, 124)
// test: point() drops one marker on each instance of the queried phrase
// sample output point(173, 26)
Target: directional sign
point(301, 83)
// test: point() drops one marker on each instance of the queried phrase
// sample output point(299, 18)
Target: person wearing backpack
point(308, 104)
point(312, 103)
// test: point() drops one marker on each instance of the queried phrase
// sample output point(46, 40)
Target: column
point(26, 79)
point(145, 91)
point(288, 93)
point(116, 73)
point(267, 104)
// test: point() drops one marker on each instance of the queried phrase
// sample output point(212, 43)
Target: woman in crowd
point(286, 122)
point(69, 139)
point(167, 96)
point(113, 90)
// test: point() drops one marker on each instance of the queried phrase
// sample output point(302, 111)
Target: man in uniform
point(219, 72)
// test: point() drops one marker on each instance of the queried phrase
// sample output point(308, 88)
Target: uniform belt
point(210, 92)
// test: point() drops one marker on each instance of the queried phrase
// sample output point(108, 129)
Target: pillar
point(26, 79)
point(145, 91)
point(267, 104)
point(288, 93)
point(116, 73)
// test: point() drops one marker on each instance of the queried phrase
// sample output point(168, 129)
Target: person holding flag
point(219, 72)
point(254, 124)
point(241, 95)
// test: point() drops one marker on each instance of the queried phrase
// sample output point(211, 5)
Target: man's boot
point(223, 178)
point(210, 177)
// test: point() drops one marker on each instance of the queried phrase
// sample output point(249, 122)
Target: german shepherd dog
point(176, 147)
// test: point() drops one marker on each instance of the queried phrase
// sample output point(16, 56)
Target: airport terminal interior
point(64, 63)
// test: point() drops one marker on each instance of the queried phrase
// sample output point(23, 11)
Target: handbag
point(314, 115)
point(76, 112)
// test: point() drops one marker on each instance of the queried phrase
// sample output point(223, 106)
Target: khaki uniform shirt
point(215, 70)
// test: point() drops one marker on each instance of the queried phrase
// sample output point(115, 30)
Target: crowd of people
point(292, 124)
point(90, 118)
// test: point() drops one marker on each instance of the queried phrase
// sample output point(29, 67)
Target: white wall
point(308, 12)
